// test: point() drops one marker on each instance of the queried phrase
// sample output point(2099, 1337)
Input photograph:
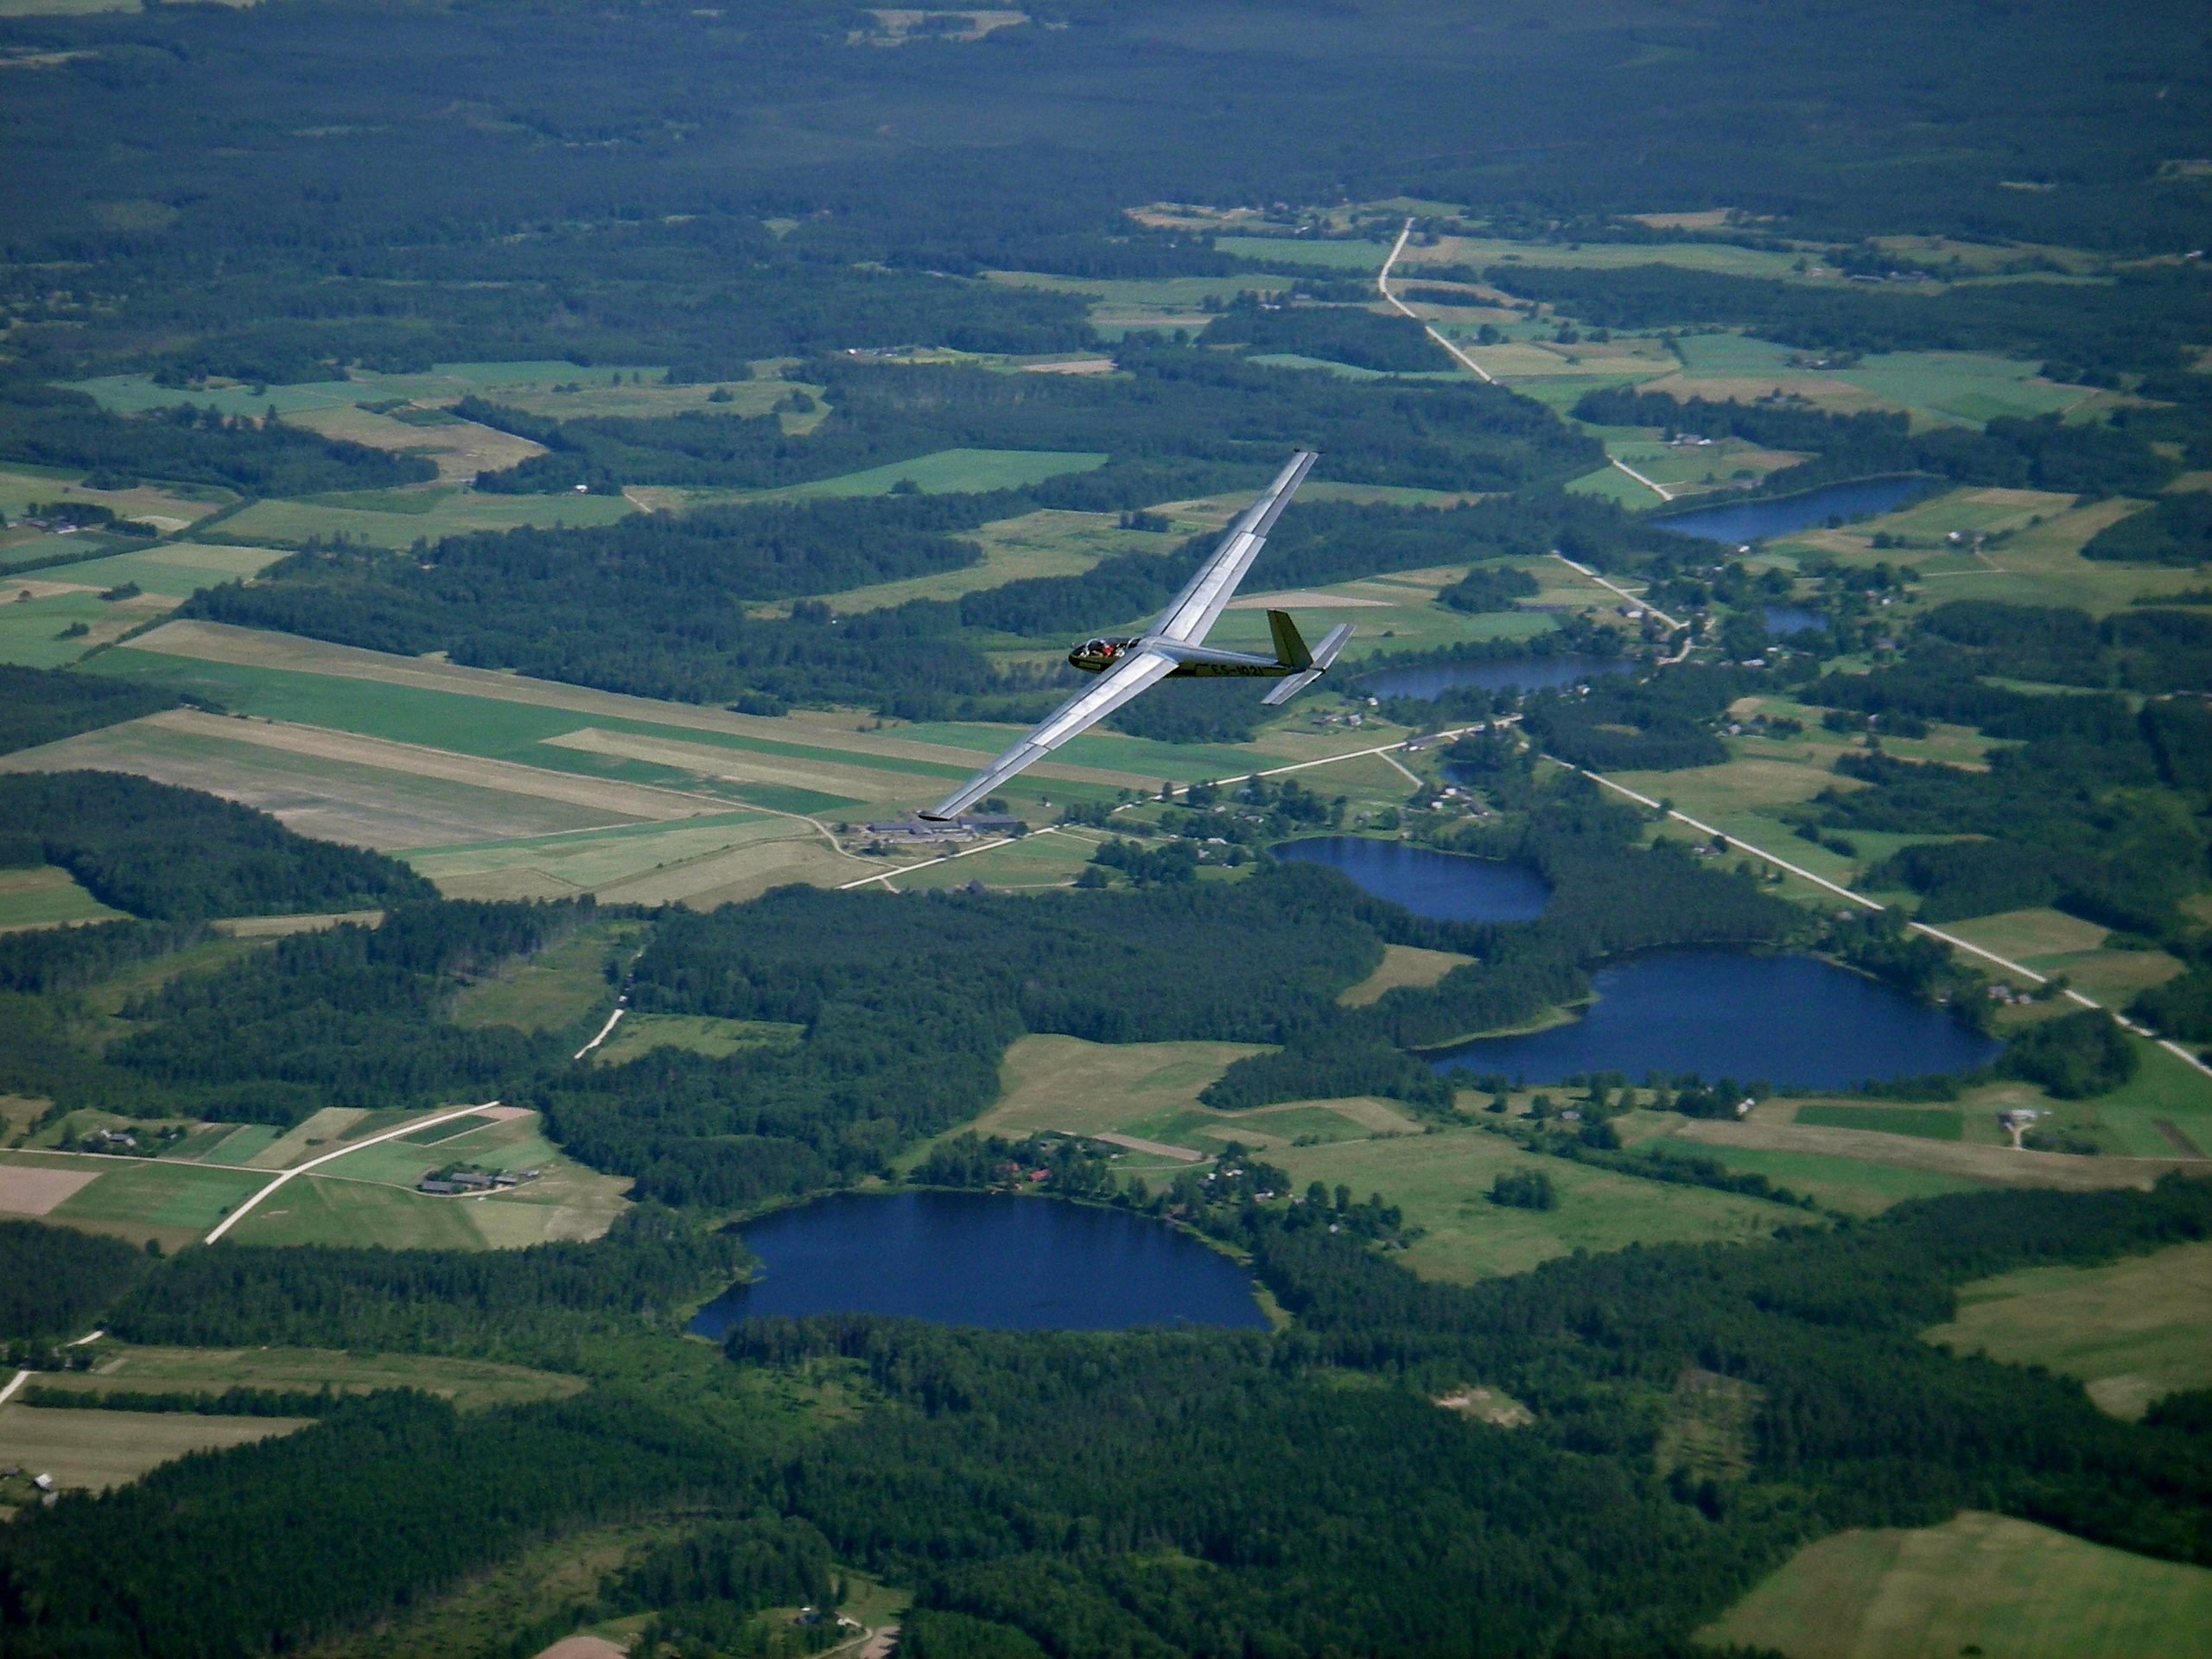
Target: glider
point(1175, 645)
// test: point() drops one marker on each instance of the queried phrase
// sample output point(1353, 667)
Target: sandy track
point(2000, 1165)
point(220, 642)
point(736, 766)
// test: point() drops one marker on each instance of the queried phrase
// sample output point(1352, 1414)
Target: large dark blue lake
point(1741, 522)
point(1444, 887)
point(968, 1258)
point(1532, 673)
point(1790, 1020)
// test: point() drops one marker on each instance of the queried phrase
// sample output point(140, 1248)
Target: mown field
point(2130, 1329)
point(469, 1383)
point(1442, 1181)
point(47, 896)
point(1977, 1584)
point(96, 1450)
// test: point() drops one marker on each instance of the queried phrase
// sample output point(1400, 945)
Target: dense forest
point(48, 426)
point(1169, 403)
point(648, 605)
point(116, 834)
point(1300, 1489)
point(893, 210)
point(44, 705)
point(2096, 810)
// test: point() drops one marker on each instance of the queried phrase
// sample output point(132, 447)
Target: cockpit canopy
point(1099, 653)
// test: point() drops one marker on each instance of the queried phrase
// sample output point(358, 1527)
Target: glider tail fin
point(1317, 662)
point(1290, 648)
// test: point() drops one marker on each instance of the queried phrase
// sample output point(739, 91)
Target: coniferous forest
point(824, 371)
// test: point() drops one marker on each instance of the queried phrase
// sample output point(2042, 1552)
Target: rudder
point(1290, 647)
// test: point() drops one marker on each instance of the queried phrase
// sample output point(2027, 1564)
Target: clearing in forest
point(2130, 1329)
point(1442, 1182)
point(96, 1450)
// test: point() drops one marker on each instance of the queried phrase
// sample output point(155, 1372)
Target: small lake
point(968, 1258)
point(1444, 887)
point(1792, 1020)
point(1743, 522)
point(1533, 673)
point(1782, 620)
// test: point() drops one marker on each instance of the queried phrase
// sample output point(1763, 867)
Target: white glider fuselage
point(1175, 647)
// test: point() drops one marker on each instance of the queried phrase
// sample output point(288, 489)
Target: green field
point(698, 1034)
point(2130, 1329)
point(142, 1199)
point(1046, 543)
point(1924, 1122)
point(1977, 1584)
point(469, 1383)
point(46, 897)
point(950, 472)
point(1302, 251)
point(563, 983)
point(1481, 251)
point(175, 570)
point(95, 1450)
point(35, 633)
point(291, 523)
point(1442, 1180)
point(1851, 1185)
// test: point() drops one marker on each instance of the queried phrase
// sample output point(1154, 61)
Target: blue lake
point(1742, 522)
point(1532, 673)
point(1444, 887)
point(1782, 620)
point(1791, 1020)
point(968, 1258)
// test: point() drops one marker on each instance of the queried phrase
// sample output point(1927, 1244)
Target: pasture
point(2130, 1329)
point(1442, 1179)
point(567, 982)
point(947, 472)
point(698, 1034)
point(173, 571)
point(1979, 1582)
point(92, 1451)
point(1046, 543)
point(1294, 251)
point(1118, 305)
point(135, 1199)
point(368, 1197)
point(1045, 859)
point(1923, 1122)
point(60, 623)
point(167, 507)
point(386, 806)
point(469, 1383)
point(451, 512)
point(47, 896)
point(1479, 252)
point(1403, 966)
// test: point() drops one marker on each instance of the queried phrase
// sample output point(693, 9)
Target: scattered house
point(1745, 1105)
point(470, 1181)
point(44, 1483)
point(432, 1184)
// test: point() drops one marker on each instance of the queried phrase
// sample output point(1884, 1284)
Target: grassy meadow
point(2130, 1329)
point(1977, 1584)
point(1442, 1179)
